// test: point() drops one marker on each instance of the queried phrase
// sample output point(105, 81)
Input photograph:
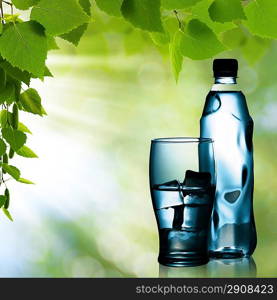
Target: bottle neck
point(225, 80)
point(225, 84)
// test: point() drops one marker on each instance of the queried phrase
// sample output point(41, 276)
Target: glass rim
point(182, 140)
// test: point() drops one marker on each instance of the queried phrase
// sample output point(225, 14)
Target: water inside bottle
point(227, 121)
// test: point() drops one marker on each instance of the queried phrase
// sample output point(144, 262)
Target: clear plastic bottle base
point(227, 252)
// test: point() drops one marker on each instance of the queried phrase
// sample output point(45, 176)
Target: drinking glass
point(182, 183)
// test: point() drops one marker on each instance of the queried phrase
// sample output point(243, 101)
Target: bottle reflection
point(189, 272)
point(239, 267)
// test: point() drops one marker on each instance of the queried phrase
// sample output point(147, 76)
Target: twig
point(2, 11)
point(10, 4)
point(179, 21)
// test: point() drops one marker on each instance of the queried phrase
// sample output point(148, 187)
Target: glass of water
point(182, 182)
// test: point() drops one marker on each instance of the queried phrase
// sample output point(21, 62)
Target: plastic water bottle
point(227, 121)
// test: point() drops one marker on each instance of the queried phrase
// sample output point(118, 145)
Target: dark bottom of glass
point(183, 259)
point(227, 252)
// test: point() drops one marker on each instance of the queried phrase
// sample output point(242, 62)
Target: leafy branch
point(191, 29)
point(23, 51)
point(211, 26)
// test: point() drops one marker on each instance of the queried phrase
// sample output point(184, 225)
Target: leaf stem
point(2, 179)
point(2, 11)
point(178, 19)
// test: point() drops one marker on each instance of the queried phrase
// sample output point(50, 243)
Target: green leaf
point(8, 94)
point(16, 73)
point(262, 18)
point(225, 11)
point(51, 43)
point(15, 138)
point(26, 181)
point(47, 72)
point(110, 7)
point(59, 16)
point(11, 170)
point(159, 38)
point(259, 44)
point(7, 213)
point(23, 128)
point(3, 79)
point(26, 152)
point(2, 200)
point(5, 118)
point(199, 41)
point(1, 27)
point(233, 38)
point(24, 4)
point(74, 36)
point(200, 12)
point(3, 147)
point(176, 57)
point(30, 42)
point(178, 4)
point(12, 18)
point(144, 14)
point(86, 6)
point(171, 25)
point(31, 102)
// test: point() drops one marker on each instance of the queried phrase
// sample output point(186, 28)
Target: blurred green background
point(90, 212)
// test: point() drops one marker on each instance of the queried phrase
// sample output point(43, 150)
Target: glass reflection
point(239, 267)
